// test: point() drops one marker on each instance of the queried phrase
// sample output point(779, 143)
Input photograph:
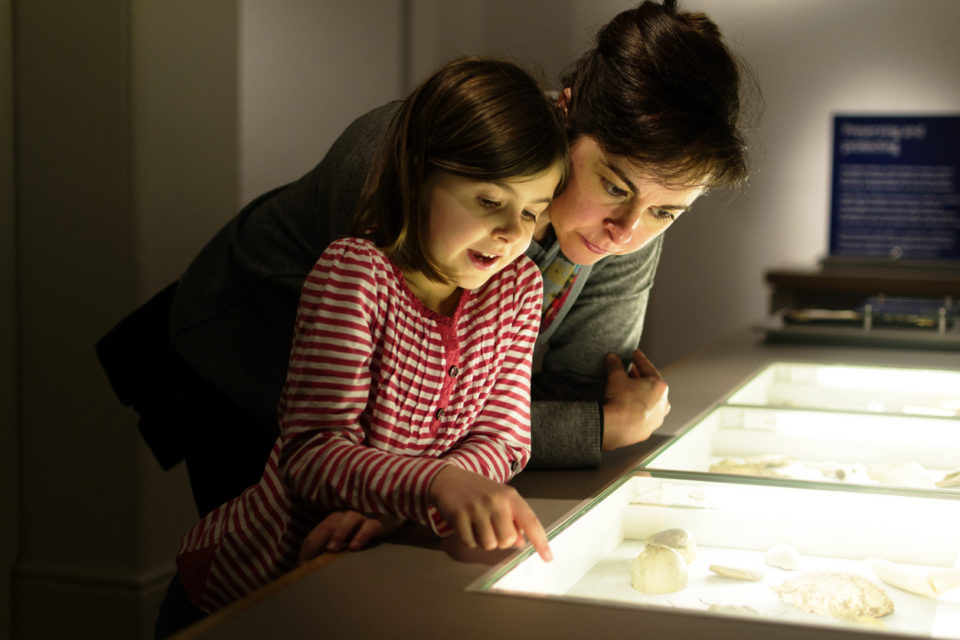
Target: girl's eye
point(614, 190)
point(487, 203)
point(529, 215)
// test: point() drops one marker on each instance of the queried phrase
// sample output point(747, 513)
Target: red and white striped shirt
point(381, 392)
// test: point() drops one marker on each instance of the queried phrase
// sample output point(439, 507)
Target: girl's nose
point(509, 229)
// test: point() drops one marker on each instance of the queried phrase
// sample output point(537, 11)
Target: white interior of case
point(854, 388)
point(812, 439)
point(875, 425)
point(735, 524)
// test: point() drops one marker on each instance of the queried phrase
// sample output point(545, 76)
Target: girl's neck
point(440, 297)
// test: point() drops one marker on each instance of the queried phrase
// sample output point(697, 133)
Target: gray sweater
point(233, 314)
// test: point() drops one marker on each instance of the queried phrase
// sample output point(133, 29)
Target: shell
point(769, 460)
point(900, 474)
point(836, 594)
point(737, 573)
point(735, 609)
point(951, 479)
point(658, 569)
point(930, 584)
point(680, 540)
point(945, 580)
point(901, 577)
point(746, 468)
point(783, 557)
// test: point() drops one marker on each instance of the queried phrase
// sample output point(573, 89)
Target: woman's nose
point(622, 226)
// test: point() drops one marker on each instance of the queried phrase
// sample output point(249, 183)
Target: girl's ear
point(564, 99)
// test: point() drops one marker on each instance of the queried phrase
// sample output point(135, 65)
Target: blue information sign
point(895, 188)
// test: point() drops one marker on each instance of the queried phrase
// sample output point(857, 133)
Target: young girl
point(408, 385)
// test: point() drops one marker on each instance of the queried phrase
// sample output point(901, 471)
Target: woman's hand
point(636, 401)
point(484, 513)
point(350, 527)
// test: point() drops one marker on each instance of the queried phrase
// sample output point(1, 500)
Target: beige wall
point(306, 70)
point(124, 134)
point(9, 512)
point(128, 159)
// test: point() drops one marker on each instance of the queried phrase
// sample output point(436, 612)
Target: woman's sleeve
point(498, 443)
point(607, 317)
point(323, 459)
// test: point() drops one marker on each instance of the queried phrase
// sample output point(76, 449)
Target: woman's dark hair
point(662, 89)
point(479, 118)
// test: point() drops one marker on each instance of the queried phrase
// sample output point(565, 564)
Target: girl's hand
point(350, 527)
point(636, 401)
point(484, 513)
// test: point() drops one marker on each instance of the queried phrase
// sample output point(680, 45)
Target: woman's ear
point(563, 100)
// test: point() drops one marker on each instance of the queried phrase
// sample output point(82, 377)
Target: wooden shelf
point(843, 287)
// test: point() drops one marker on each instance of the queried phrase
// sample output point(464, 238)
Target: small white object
point(901, 577)
point(945, 580)
point(900, 474)
point(931, 585)
point(783, 557)
point(680, 540)
point(658, 569)
point(737, 573)
point(735, 609)
point(951, 479)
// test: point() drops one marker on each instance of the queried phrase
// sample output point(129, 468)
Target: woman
point(652, 117)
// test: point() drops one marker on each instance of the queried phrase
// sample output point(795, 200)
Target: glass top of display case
point(829, 423)
point(871, 559)
point(841, 387)
point(813, 494)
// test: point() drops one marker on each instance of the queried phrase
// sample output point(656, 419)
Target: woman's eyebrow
point(621, 174)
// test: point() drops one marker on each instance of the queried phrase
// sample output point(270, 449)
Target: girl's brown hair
point(662, 89)
point(480, 118)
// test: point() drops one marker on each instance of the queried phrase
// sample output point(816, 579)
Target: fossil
point(736, 609)
point(952, 479)
point(679, 539)
point(783, 557)
point(836, 594)
point(931, 584)
point(658, 569)
point(737, 573)
point(752, 466)
point(902, 474)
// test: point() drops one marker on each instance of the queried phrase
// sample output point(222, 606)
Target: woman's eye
point(664, 215)
point(614, 190)
point(487, 203)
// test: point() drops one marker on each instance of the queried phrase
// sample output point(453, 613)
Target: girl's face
point(610, 206)
point(477, 228)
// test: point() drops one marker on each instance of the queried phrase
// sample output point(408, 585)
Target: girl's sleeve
point(323, 459)
point(498, 443)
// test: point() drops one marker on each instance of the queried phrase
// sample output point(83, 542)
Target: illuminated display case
point(830, 423)
point(791, 542)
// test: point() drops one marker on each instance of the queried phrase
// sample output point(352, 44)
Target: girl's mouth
point(482, 260)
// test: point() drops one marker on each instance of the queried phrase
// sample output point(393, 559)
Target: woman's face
point(610, 206)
